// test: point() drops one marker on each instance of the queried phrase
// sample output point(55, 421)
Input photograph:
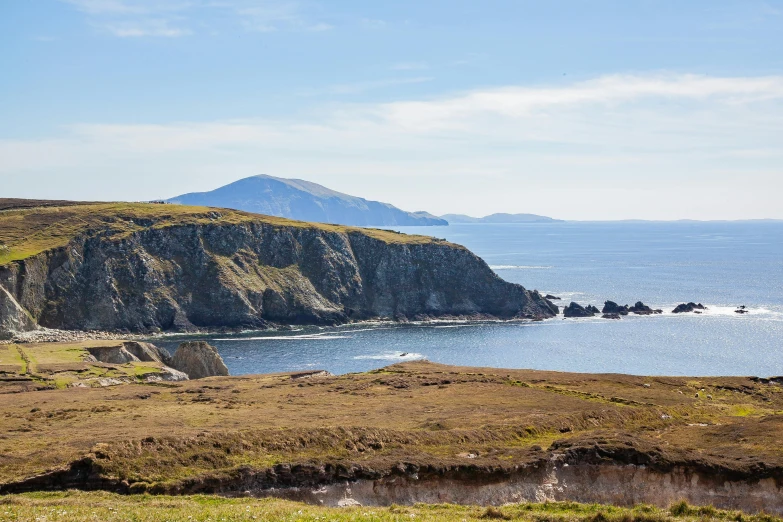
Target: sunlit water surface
point(722, 265)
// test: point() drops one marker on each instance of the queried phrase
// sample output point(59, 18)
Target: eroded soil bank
point(620, 485)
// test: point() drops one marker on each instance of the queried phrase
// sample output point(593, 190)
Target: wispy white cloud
point(410, 66)
point(173, 18)
point(269, 16)
point(373, 23)
point(139, 28)
point(371, 85)
point(634, 137)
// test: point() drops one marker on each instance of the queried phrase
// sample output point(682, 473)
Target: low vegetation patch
point(42, 366)
point(80, 506)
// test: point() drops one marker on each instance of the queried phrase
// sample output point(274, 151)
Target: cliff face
point(245, 273)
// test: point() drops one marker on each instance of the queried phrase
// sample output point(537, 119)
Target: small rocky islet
point(612, 310)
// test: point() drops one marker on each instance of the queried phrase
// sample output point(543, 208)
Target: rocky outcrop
point(610, 316)
point(132, 351)
point(114, 354)
point(229, 271)
point(577, 310)
point(610, 307)
point(147, 352)
point(642, 309)
point(688, 307)
point(13, 317)
point(198, 359)
point(129, 351)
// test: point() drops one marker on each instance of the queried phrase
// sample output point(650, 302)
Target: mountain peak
point(305, 201)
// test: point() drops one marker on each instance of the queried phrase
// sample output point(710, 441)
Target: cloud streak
point(718, 140)
point(175, 18)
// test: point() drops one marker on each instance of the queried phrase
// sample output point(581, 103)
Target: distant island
point(305, 201)
point(500, 218)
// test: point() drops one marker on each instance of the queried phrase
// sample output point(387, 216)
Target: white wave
point(730, 311)
point(314, 337)
point(351, 330)
point(391, 356)
point(456, 325)
point(519, 267)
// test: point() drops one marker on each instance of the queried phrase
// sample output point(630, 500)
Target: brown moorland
point(202, 435)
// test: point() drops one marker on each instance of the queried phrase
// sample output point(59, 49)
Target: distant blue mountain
point(305, 201)
point(499, 218)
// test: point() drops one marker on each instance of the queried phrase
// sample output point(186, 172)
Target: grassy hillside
point(77, 506)
point(421, 412)
point(27, 230)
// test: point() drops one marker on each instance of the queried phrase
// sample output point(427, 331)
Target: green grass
point(77, 506)
point(60, 365)
point(10, 358)
point(27, 232)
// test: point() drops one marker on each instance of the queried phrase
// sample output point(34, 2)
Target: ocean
point(722, 265)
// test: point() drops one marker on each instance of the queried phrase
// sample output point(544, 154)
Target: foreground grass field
point(79, 506)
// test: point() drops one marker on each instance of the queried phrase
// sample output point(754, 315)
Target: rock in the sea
point(641, 309)
point(688, 307)
point(576, 310)
point(592, 309)
point(551, 297)
point(610, 307)
point(198, 359)
point(611, 316)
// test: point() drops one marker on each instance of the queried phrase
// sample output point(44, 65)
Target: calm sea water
point(722, 265)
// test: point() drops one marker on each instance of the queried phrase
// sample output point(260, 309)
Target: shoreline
point(49, 335)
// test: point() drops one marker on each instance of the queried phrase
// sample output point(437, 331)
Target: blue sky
point(582, 110)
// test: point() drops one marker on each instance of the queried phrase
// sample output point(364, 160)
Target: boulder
point(592, 309)
point(610, 307)
point(641, 309)
point(147, 352)
point(576, 310)
point(198, 359)
point(551, 297)
point(688, 307)
point(116, 354)
point(166, 374)
point(611, 316)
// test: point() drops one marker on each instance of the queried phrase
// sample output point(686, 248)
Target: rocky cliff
point(144, 267)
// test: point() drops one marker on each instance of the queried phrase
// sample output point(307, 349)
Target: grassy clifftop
point(30, 227)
